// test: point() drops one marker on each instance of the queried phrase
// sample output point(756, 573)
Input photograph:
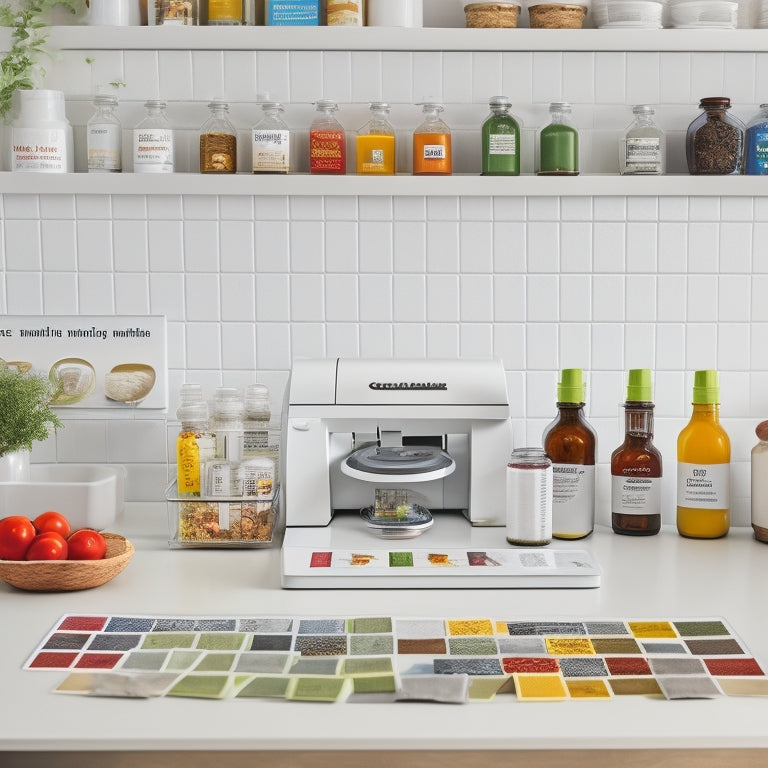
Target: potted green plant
point(25, 417)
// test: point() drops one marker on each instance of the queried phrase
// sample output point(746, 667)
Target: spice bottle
point(327, 141)
point(432, 144)
point(500, 140)
point(714, 141)
point(529, 497)
point(375, 143)
point(195, 444)
point(184, 12)
point(559, 143)
point(218, 141)
point(225, 13)
point(703, 465)
point(642, 150)
point(227, 423)
point(41, 135)
point(756, 143)
point(153, 144)
point(571, 444)
point(636, 467)
point(759, 459)
point(104, 136)
point(271, 141)
point(346, 13)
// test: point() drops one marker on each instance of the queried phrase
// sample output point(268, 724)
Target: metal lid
point(408, 463)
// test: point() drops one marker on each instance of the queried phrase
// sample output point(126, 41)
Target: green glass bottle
point(559, 144)
point(501, 140)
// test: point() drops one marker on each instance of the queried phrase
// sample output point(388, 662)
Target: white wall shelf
point(394, 186)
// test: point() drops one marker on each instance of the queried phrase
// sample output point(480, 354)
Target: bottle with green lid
point(571, 444)
point(703, 465)
point(636, 467)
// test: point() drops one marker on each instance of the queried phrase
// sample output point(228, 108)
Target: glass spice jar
point(500, 136)
point(756, 149)
point(714, 141)
point(218, 141)
point(559, 143)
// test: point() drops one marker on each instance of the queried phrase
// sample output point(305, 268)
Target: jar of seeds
point(714, 142)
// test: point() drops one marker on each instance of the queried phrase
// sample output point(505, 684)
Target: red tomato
point(47, 546)
point(86, 544)
point(52, 521)
point(16, 534)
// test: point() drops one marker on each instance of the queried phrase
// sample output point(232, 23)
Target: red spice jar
point(327, 141)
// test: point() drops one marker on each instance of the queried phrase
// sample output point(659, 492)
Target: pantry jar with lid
point(41, 135)
point(714, 141)
point(218, 141)
point(104, 136)
point(642, 150)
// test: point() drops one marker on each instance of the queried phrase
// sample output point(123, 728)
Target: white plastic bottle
point(41, 135)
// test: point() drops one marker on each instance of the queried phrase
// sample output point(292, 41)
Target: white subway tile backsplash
point(22, 245)
point(58, 239)
point(131, 294)
point(542, 298)
point(60, 295)
point(575, 299)
point(410, 341)
point(608, 254)
point(341, 300)
point(443, 296)
point(96, 293)
point(641, 247)
point(608, 303)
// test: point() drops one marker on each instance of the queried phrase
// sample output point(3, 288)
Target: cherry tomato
point(47, 546)
point(52, 521)
point(86, 544)
point(16, 534)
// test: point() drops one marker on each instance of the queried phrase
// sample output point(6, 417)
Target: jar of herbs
point(714, 141)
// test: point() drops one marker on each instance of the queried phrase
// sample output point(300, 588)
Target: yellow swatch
point(588, 689)
point(652, 629)
point(732, 686)
point(470, 627)
point(502, 628)
point(540, 687)
point(570, 646)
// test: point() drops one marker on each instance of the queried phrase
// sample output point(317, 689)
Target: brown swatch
point(635, 686)
point(714, 647)
point(433, 645)
point(615, 645)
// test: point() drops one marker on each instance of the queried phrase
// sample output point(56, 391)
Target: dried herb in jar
point(715, 140)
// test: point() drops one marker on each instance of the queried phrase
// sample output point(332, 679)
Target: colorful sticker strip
point(385, 658)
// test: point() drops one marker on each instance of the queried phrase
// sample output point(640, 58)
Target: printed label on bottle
point(434, 152)
point(703, 486)
point(761, 150)
point(643, 155)
point(271, 151)
point(635, 495)
point(153, 150)
point(502, 144)
point(327, 152)
point(104, 147)
point(573, 499)
point(39, 149)
point(225, 10)
point(293, 12)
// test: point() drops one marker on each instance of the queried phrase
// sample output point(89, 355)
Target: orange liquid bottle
point(375, 144)
point(432, 144)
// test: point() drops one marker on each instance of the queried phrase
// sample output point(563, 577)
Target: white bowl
point(718, 14)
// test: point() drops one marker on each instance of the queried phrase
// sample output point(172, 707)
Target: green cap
point(639, 385)
point(571, 387)
point(706, 388)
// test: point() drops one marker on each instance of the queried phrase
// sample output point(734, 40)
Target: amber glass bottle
point(636, 464)
point(571, 444)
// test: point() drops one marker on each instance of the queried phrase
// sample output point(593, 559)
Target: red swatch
point(521, 664)
point(84, 623)
point(320, 560)
point(51, 660)
point(98, 660)
point(628, 665)
point(727, 667)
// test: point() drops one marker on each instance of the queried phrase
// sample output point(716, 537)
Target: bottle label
point(271, 151)
point(573, 499)
point(104, 147)
point(39, 149)
point(434, 152)
point(327, 152)
point(344, 13)
point(230, 11)
point(703, 486)
point(643, 155)
point(293, 12)
point(635, 495)
point(502, 144)
point(760, 150)
point(153, 150)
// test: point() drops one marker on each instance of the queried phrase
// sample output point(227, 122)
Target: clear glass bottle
point(756, 144)
point(703, 465)
point(227, 423)
point(271, 141)
point(181, 12)
point(346, 13)
point(636, 467)
point(559, 143)
point(195, 446)
point(529, 497)
point(104, 136)
point(327, 140)
point(500, 140)
point(375, 143)
point(759, 483)
point(642, 151)
point(226, 13)
point(714, 141)
point(218, 141)
point(153, 141)
point(432, 144)
point(571, 444)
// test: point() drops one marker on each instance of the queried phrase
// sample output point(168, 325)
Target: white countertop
point(659, 577)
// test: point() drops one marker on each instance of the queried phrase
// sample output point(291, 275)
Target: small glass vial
point(376, 143)
point(327, 141)
point(559, 143)
point(432, 144)
point(529, 497)
point(501, 140)
point(271, 141)
point(179, 12)
point(218, 141)
point(756, 143)
point(760, 483)
point(642, 151)
point(714, 141)
point(225, 13)
point(104, 136)
point(41, 135)
point(153, 141)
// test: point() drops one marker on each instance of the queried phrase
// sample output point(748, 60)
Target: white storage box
point(88, 495)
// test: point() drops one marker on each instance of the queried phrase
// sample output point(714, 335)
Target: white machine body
point(336, 406)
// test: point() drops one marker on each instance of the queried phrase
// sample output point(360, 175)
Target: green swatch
point(371, 626)
point(401, 559)
point(169, 640)
point(216, 662)
point(270, 687)
point(318, 688)
point(361, 666)
point(221, 641)
point(201, 686)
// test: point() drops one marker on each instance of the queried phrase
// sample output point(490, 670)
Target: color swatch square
point(534, 687)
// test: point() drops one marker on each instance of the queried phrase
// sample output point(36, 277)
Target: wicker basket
point(68, 575)
point(487, 15)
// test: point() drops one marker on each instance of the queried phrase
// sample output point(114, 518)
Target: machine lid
point(411, 521)
point(406, 463)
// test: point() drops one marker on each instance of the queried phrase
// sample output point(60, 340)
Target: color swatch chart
point(383, 658)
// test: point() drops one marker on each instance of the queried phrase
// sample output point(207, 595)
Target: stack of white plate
point(761, 21)
point(641, 14)
point(699, 14)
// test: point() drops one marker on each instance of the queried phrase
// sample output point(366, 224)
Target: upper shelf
point(398, 39)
